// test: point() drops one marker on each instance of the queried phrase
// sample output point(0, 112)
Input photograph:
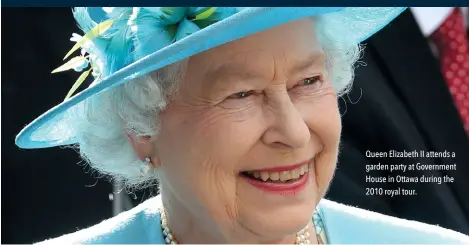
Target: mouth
point(283, 180)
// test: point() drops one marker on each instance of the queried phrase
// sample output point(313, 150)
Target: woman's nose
point(287, 127)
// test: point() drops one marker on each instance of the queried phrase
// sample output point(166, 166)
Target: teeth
point(274, 176)
point(303, 169)
point(282, 176)
point(264, 176)
point(285, 175)
point(295, 173)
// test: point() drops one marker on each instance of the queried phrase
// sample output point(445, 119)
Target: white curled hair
point(106, 120)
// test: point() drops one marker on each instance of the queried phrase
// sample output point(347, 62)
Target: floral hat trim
point(127, 33)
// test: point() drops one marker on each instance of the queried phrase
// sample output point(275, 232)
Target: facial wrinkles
point(283, 63)
point(192, 101)
point(206, 103)
point(314, 98)
point(241, 69)
point(218, 189)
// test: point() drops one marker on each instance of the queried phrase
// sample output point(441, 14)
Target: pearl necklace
point(302, 237)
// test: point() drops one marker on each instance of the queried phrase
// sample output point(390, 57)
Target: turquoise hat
point(121, 44)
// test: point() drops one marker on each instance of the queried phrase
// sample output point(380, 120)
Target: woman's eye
point(310, 81)
point(241, 95)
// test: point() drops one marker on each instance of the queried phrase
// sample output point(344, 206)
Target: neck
point(198, 229)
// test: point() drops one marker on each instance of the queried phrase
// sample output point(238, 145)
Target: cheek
point(201, 153)
point(323, 119)
point(226, 135)
point(196, 179)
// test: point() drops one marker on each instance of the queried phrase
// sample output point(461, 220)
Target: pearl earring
point(145, 167)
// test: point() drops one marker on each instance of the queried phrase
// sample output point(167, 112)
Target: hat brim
point(50, 129)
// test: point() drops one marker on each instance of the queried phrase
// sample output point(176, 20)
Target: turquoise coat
point(343, 224)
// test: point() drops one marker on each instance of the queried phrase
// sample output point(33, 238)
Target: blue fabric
point(50, 129)
point(343, 224)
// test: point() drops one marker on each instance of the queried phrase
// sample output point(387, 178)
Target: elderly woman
point(233, 110)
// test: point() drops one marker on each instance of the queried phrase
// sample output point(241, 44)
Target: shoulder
point(139, 225)
point(346, 224)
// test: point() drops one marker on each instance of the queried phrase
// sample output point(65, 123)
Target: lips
point(282, 174)
point(280, 180)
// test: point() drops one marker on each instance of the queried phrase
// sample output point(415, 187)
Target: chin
point(273, 223)
point(265, 213)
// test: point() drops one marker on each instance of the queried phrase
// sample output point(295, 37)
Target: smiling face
point(249, 143)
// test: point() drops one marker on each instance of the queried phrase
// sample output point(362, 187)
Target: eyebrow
point(241, 71)
point(233, 70)
point(306, 63)
point(229, 72)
